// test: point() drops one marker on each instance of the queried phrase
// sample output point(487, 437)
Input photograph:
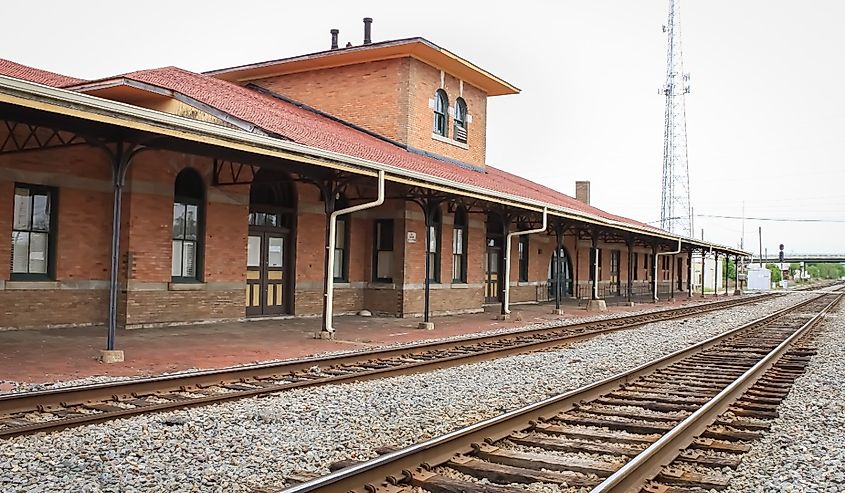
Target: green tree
point(775, 270)
point(826, 271)
point(731, 268)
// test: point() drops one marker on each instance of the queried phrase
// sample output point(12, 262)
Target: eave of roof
point(419, 48)
point(63, 102)
point(37, 75)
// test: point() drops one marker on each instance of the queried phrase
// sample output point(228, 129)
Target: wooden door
point(266, 277)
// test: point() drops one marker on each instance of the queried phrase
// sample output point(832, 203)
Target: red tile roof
point(12, 69)
point(309, 128)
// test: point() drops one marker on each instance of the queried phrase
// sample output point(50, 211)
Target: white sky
point(765, 118)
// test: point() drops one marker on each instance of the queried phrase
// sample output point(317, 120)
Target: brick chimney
point(582, 191)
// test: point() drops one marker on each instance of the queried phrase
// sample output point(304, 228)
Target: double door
point(266, 274)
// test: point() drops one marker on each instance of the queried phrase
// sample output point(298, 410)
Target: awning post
point(506, 286)
point(327, 330)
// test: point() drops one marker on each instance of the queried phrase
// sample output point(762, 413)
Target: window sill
point(186, 286)
point(459, 285)
point(447, 140)
point(25, 285)
point(381, 285)
point(342, 284)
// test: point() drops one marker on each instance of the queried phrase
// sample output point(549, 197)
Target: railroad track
point(664, 427)
point(55, 409)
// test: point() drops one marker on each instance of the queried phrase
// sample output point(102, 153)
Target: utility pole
point(675, 207)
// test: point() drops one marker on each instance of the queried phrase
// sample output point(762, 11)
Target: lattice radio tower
point(675, 208)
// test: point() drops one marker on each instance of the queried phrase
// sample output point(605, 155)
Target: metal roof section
point(83, 106)
point(419, 48)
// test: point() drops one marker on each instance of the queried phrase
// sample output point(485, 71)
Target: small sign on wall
point(412, 236)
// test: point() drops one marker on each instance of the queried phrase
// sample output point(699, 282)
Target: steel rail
point(646, 465)
point(116, 392)
point(395, 465)
point(26, 400)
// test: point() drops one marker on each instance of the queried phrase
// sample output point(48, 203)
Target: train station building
point(344, 180)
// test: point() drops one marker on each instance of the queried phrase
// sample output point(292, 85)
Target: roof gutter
point(26, 93)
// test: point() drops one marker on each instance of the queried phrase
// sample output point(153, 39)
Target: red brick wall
point(81, 176)
point(225, 241)
point(161, 306)
point(84, 235)
point(391, 98)
point(372, 95)
point(424, 82)
point(39, 308)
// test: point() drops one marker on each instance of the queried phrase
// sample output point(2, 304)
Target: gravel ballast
point(242, 445)
point(18, 386)
point(805, 449)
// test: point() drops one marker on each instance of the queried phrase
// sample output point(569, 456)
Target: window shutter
point(460, 134)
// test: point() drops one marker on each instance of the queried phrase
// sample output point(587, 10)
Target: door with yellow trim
point(266, 275)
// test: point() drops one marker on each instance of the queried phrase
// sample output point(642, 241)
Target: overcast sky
point(766, 117)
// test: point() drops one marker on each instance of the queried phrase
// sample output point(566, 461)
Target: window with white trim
point(441, 112)
point(460, 131)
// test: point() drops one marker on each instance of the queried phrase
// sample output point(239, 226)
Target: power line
point(784, 220)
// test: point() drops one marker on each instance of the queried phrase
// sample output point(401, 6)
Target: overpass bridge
point(808, 258)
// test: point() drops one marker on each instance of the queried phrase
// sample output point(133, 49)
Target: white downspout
point(656, 258)
point(507, 285)
point(327, 322)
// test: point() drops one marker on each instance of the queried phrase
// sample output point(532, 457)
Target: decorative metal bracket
point(233, 173)
point(19, 137)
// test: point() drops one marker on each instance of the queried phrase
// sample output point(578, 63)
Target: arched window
point(434, 230)
point(188, 199)
point(460, 133)
point(459, 246)
point(441, 111)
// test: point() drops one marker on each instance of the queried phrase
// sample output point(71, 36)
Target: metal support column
point(702, 273)
point(727, 261)
point(506, 258)
point(654, 259)
point(577, 277)
point(689, 273)
point(672, 277)
point(329, 192)
point(121, 158)
point(737, 289)
point(631, 267)
point(716, 274)
point(430, 206)
point(556, 267)
point(594, 295)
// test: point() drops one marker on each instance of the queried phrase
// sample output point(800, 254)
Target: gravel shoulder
point(247, 444)
point(805, 449)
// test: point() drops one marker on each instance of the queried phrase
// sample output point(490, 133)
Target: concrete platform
point(49, 355)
